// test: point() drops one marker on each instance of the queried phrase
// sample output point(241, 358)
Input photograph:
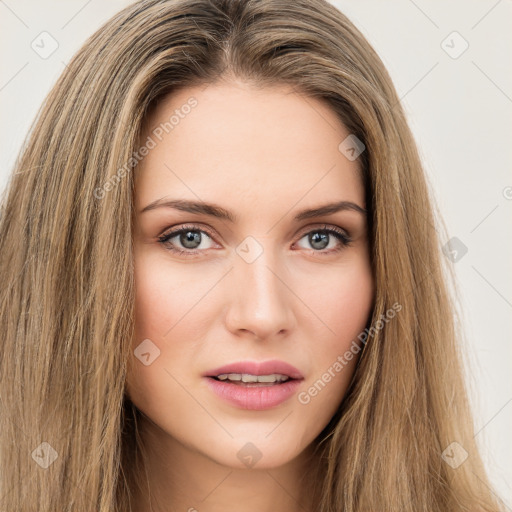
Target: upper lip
point(257, 368)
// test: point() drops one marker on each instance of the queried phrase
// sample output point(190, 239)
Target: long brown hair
point(68, 434)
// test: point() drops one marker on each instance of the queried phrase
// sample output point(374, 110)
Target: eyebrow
point(221, 213)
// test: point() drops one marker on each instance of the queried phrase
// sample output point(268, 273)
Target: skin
point(264, 154)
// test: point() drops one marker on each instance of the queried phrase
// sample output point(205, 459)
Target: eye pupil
point(189, 238)
point(321, 238)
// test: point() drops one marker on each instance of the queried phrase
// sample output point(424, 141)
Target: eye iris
point(321, 238)
point(189, 238)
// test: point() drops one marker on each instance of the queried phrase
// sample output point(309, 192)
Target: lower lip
point(255, 398)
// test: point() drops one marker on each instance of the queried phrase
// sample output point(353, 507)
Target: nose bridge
point(261, 302)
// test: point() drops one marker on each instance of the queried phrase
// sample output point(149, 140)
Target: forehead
point(257, 147)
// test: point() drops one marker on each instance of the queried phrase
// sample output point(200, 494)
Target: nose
point(261, 301)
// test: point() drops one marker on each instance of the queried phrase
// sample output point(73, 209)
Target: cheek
point(158, 302)
point(165, 297)
point(343, 300)
point(171, 306)
point(157, 296)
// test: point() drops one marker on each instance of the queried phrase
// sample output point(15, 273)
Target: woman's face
point(254, 281)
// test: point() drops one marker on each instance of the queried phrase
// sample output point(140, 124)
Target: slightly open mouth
point(253, 392)
point(252, 384)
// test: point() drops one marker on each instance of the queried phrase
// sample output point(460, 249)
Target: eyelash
point(336, 232)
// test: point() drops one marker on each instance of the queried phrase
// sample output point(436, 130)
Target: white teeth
point(246, 377)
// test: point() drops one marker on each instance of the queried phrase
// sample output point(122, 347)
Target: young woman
point(222, 284)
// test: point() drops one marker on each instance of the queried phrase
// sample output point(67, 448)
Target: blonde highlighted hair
point(66, 305)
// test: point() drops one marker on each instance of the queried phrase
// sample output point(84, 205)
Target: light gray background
point(459, 110)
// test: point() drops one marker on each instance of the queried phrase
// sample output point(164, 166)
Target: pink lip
point(255, 397)
point(257, 368)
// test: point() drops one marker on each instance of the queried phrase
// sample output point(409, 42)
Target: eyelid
point(175, 230)
point(201, 227)
point(322, 227)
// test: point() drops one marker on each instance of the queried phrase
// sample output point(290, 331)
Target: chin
point(255, 454)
